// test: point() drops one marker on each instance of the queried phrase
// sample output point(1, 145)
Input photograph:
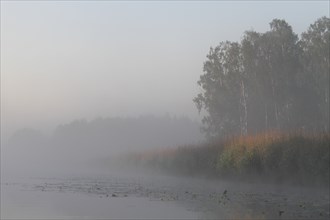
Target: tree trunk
point(266, 117)
point(243, 114)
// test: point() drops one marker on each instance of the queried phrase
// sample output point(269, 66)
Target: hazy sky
point(83, 59)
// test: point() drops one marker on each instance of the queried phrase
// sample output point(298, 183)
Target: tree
point(267, 81)
point(315, 44)
point(221, 84)
point(280, 54)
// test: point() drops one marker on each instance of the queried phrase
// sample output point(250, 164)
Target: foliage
point(271, 80)
point(298, 158)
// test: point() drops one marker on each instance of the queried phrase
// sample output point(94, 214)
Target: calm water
point(156, 197)
point(84, 199)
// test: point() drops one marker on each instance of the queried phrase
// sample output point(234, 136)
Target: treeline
point(268, 81)
point(104, 137)
point(117, 134)
point(84, 146)
point(296, 158)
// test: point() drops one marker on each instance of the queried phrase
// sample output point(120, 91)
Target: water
point(83, 199)
point(137, 196)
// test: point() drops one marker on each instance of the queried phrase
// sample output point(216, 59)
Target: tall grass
point(297, 158)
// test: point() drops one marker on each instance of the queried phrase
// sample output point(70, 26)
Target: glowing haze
point(66, 60)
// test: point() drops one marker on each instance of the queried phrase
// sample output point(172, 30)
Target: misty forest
point(260, 148)
point(268, 81)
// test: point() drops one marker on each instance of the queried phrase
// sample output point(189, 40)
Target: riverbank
point(295, 158)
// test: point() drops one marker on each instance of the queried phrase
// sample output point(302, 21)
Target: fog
point(189, 103)
point(85, 145)
point(66, 61)
point(62, 62)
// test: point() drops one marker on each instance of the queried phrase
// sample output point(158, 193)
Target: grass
point(297, 158)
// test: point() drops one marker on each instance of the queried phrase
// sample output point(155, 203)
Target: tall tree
point(315, 44)
point(256, 81)
point(267, 81)
point(220, 96)
point(281, 52)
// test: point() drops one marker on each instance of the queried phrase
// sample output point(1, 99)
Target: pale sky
point(62, 61)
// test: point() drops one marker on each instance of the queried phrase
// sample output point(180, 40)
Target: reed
point(296, 157)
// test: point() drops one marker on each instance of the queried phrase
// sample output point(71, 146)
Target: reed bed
point(296, 157)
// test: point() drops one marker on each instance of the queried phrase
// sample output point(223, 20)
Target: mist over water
point(194, 110)
point(43, 175)
point(83, 146)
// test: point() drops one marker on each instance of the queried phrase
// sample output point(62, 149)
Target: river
point(140, 196)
